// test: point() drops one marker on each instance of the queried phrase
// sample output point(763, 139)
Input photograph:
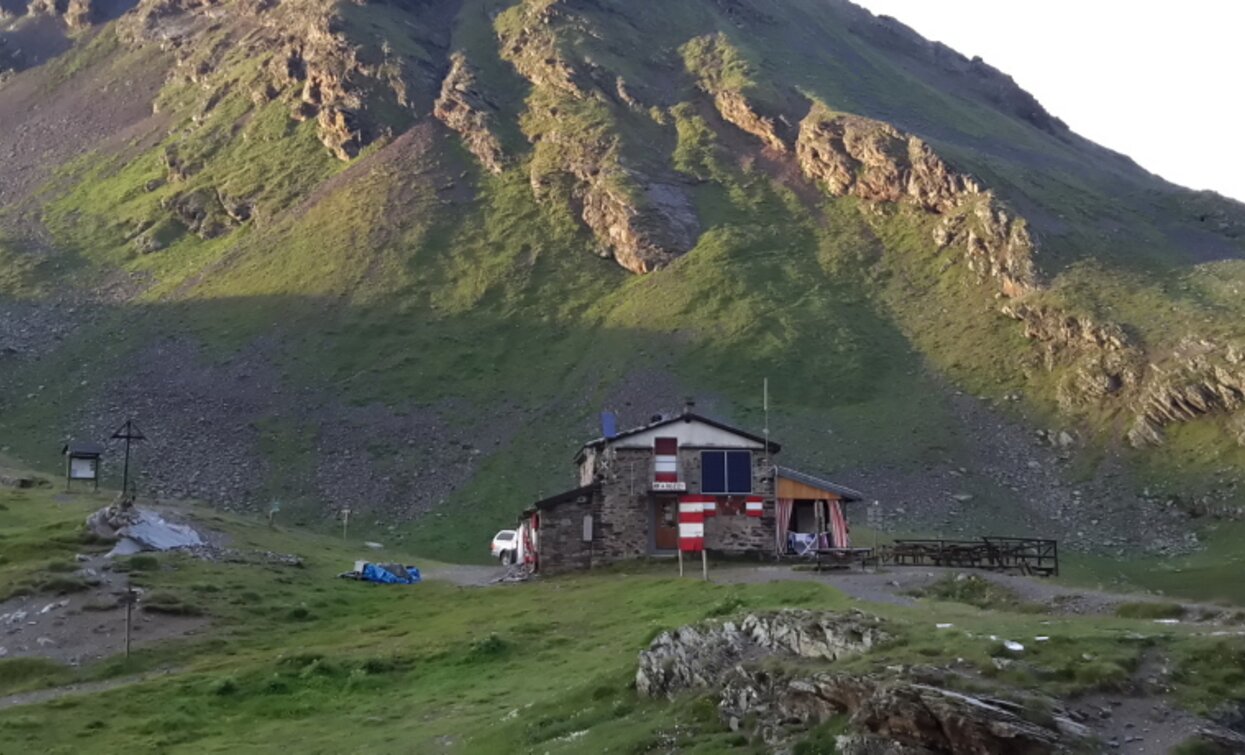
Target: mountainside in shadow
point(396, 256)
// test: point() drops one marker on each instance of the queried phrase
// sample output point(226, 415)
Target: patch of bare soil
point(84, 627)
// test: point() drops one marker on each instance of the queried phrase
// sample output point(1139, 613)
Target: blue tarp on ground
point(382, 575)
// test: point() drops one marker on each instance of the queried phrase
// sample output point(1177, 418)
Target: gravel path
point(86, 688)
point(893, 585)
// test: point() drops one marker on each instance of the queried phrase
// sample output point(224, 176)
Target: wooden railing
point(1034, 556)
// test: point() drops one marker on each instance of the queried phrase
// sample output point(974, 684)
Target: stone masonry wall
point(622, 515)
point(622, 530)
point(561, 537)
point(735, 533)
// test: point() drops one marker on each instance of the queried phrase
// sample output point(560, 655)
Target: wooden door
point(665, 523)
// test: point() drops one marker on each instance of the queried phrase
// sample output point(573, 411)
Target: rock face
point(696, 657)
point(1201, 378)
point(1104, 362)
point(357, 92)
point(644, 221)
point(871, 160)
point(466, 110)
point(743, 662)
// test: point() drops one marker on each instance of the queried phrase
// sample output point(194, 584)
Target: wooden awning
point(800, 486)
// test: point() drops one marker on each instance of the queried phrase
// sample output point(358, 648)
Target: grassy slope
point(378, 291)
point(296, 655)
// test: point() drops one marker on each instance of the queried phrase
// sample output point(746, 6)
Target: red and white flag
point(691, 523)
point(754, 505)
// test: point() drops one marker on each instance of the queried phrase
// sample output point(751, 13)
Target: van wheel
point(507, 558)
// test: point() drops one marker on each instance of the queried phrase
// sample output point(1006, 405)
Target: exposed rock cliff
point(77, 14)
point(466, 110)
point(1200, 378)
point(356, 91)
point(716, 65)
point(874, 161)
point(643, 221)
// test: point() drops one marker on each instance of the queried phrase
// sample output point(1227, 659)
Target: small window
point(726, 472)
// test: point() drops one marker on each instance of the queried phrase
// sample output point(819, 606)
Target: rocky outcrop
point(206, 213)
point(891, 715)
point(735, 109)
point(874, 161)
point(771, 674)
point(467, 111)
point(696, 656)
point(1200, 378)
point(643, 221)
point(714, 61)
point(77, 14)
point(1101, 360)
point(353, 86)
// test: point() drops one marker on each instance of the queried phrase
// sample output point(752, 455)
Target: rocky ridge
point(464, 109)
point(77, 14)
point(773, 673)
point(643, 221)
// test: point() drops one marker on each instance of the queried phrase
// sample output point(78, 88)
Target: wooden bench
point(840, 558)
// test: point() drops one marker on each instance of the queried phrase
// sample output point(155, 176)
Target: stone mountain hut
point(630, 484)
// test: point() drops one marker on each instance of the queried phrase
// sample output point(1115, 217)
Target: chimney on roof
point(689, 405)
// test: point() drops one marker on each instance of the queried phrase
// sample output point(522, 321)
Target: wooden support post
point(129, 618)
point(704, 564)
point(680, 562)
point(345, 522)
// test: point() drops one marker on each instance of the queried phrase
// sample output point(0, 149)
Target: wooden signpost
point(130, 598)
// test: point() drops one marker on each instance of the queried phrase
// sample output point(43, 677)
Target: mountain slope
point(396, 255)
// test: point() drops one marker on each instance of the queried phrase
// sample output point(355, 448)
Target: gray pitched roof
point(685, 417)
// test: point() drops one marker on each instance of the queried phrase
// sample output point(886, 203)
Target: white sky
point(1163, 82)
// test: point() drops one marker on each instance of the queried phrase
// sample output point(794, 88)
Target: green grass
point(299, 653)
point(367, 285)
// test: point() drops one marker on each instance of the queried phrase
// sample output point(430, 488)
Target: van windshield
point(505, 535)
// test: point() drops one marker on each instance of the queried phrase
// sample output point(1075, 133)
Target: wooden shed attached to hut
point(811, 512)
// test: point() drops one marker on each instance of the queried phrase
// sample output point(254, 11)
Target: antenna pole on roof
point(765, 404)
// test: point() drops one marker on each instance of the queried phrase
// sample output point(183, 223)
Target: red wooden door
point(666, 524)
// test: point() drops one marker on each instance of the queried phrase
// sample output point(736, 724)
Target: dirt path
point(85, 688)
point(464, 575)
point(88, 625)
point(894, 585)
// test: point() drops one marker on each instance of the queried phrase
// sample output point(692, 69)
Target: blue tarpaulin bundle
point(390, 574)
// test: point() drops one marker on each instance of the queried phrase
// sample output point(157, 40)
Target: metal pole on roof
point(769, 464)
